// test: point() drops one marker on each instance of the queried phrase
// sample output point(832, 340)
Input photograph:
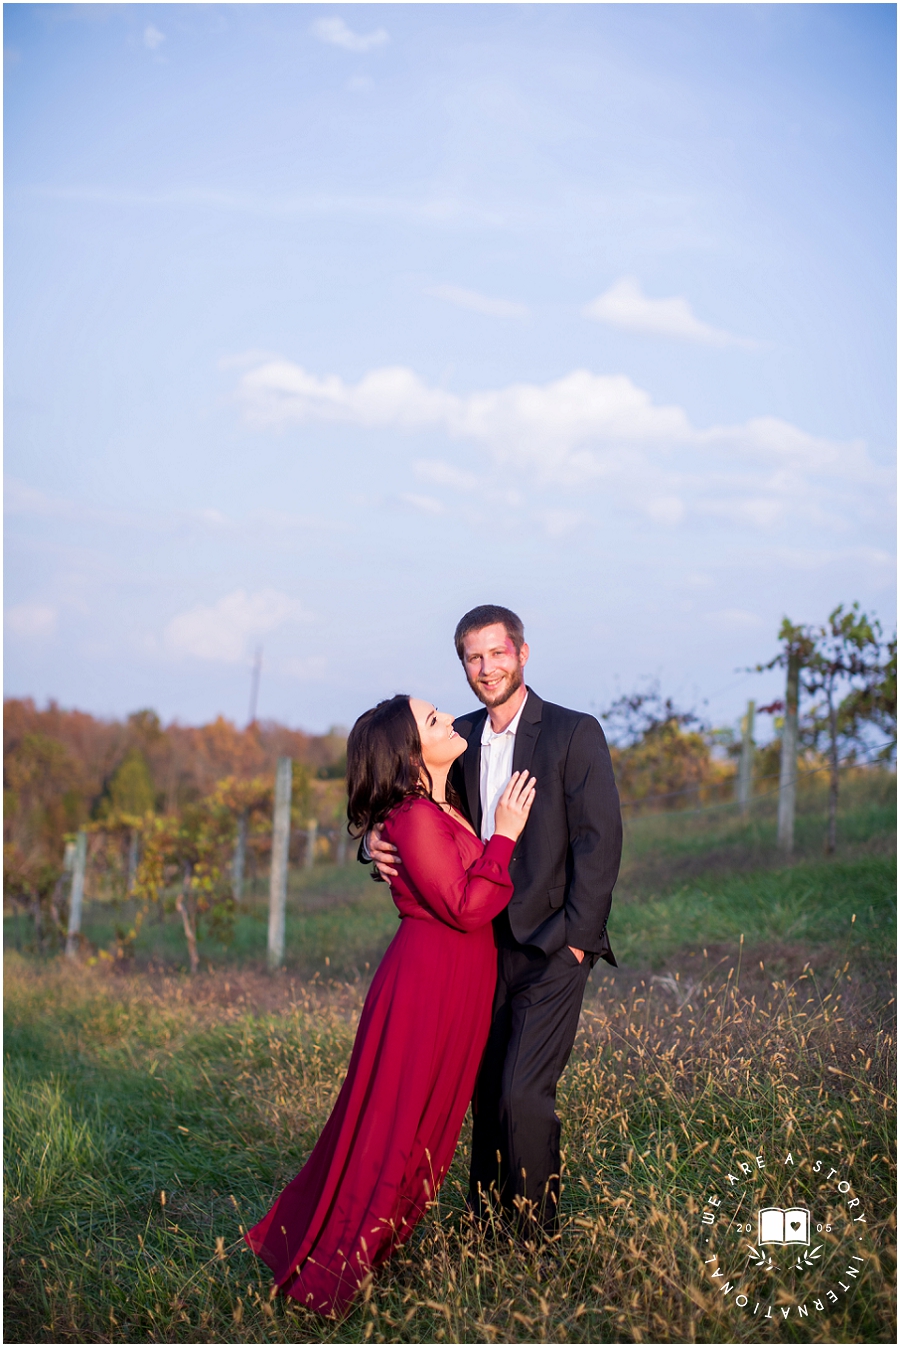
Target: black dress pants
point(515, 1165)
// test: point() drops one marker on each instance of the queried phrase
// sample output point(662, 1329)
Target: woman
point(387, 1146)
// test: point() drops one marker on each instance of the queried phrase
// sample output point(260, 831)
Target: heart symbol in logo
point(795, 1225)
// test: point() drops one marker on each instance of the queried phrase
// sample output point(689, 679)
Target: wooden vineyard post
point(132, 861)
point(341, 848)
point(76, 894)
point(240, 853)
point(745, 771)
point(787, 785)
point(281, 836)
point(312, 832)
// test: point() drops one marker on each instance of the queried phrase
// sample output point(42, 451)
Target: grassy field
point(149, 1116)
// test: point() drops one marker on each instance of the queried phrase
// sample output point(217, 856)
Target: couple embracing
point(500, 834)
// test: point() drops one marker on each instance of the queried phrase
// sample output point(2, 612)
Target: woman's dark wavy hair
point(385, 765)
point(384, 762)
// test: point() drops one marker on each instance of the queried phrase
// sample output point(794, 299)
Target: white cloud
point(558, 523)
point(21, 499)
point(665, 509)
point(625, 306)
point(445, 474)
point(360, 84)
point(222, 631)
point(763, 512)
point(31, 620)
point(787, 448)
point(586, 428)
point(425, 504)
point(153, 38)
point(471, 299)
point(336, 32)
point(538, 426)
point(211, 517)
point(279, 393)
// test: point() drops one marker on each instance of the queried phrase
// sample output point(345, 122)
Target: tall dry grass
point(149, 1119)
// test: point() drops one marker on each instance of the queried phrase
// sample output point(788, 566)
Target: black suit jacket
point(566, 862)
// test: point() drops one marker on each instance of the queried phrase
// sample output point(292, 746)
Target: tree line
point(143, 790)
point(176, 815)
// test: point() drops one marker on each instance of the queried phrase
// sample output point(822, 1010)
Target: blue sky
point(324, 323)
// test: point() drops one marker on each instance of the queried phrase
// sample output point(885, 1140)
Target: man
point(563, 868)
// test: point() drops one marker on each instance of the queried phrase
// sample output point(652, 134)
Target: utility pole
point(745, 771)
point(254, 686)
point(76, 894)
point(787, 785)
point(281, 836)
point(312, 831)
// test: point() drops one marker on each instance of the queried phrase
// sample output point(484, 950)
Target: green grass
point(815, 903)
point(343, 938)
point(338, 922)
point(124, 1083)
point(661, 848)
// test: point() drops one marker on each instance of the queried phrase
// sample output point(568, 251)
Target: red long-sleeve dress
point(389, 1141)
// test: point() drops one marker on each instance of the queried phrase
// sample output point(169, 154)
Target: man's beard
point(516, 681)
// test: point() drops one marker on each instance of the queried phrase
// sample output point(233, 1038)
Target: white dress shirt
point(496, 767)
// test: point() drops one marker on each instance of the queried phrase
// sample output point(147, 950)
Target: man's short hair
point(486, 615)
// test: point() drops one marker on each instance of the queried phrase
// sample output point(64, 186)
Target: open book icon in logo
point(780, 1225)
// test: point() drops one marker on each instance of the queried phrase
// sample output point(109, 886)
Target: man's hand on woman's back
point(383, 854)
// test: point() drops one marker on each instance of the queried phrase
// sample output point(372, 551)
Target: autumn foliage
point(180, 787)
point(168, 809)
point(663, 757)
